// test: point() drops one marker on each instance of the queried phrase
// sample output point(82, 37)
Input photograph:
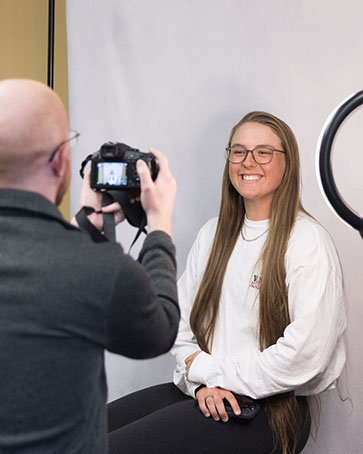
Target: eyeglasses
point(261, 155)
point(73, 135)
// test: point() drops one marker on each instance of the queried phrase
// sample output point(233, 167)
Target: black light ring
point(324, 148)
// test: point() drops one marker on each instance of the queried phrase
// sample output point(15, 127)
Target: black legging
point(163, 420)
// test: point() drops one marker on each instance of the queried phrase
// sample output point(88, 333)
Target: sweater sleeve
point(144, 314)
point(185, 343)
point(310, 354)
point(188, 285)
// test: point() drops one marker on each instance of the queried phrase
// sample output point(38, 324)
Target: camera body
point(113, 167)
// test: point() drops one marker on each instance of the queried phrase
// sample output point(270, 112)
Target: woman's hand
point(210, 401)
point(189, 361)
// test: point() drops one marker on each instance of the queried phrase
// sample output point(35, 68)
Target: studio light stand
point(50, 75)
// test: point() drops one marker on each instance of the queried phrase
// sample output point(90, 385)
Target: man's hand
point(93, 199)
point(210, 401)
point(157, 197)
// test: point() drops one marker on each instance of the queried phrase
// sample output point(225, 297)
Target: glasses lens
point(236, 154)
point(263, 155)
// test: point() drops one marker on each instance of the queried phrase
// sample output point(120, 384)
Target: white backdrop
point(177, 75)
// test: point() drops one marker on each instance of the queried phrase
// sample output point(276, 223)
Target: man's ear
point(60, 161)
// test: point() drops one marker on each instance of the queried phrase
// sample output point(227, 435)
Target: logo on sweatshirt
point(256, 282)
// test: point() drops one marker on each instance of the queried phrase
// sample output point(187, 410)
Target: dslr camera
point(114, 167)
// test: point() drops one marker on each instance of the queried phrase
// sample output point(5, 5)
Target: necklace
point(252, 239)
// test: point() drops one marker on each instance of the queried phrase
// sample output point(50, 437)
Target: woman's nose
point(249, 161)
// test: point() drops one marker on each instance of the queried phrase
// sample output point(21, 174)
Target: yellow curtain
point(24, 47)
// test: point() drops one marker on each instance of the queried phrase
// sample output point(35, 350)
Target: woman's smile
point(255, 182)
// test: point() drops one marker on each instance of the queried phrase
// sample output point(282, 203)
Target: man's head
point(33, 122)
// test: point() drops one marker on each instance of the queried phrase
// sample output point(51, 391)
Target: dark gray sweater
point(63, 300)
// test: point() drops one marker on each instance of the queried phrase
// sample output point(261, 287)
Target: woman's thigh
point(162, 419)
point(182, 428)
point(141, 403)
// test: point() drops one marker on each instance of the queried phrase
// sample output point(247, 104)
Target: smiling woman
point(259, 174)
point(259, 280)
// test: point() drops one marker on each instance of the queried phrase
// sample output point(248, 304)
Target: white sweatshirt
point(310, 355)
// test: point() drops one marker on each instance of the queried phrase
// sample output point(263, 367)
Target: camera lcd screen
point(112, 173)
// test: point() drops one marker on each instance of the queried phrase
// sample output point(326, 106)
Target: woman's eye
point(264, 152)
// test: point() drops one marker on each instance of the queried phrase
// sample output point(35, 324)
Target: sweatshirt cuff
point(201, 369)
point(183, 384)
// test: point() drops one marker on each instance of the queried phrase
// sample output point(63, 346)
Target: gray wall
point(177, 75)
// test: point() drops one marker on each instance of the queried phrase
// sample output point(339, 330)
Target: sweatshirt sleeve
point(310, 354)
point(144, 313)
point(188, 285)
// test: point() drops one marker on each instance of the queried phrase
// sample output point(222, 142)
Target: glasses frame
point(229, 149)
point(72, 136)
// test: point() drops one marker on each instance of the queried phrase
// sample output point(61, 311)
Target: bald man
point(63, 298)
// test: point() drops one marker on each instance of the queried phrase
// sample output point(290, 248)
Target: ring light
point(324, 166)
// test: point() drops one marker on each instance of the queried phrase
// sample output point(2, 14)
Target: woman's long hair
point(282, 410)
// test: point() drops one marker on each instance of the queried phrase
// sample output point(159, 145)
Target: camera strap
point(133, 211)
point(85, 224)
point(134, 214)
